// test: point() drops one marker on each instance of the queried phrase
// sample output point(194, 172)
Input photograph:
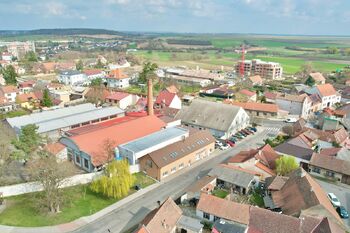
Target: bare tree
point(51, 175)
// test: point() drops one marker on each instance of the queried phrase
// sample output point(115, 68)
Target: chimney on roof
point(150, 97)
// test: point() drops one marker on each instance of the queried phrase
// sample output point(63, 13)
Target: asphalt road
point(342, 192)
point(129, 215)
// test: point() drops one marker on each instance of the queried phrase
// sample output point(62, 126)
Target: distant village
point(167, 120)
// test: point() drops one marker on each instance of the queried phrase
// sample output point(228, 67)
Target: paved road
point(129, 215)
point(341, 191)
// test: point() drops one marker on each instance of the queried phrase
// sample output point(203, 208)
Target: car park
point(247, 131)
point(253, 129)
point(224, 146)
point(230, 143)
point(343, 213)
point(244, 134)
point(333, 199)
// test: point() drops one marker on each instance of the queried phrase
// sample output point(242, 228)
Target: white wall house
point(117, 79)
point(72, 77)
point(328, 95)
point(300, 105)
point(9, 93)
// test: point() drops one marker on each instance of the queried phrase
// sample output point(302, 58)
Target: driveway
point(341, 191)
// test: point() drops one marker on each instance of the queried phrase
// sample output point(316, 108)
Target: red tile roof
point(270, 95)
point(326, 89)
point(256, 79)
point(22, 98)
point(54, 148)
point(247, 92)
point(318, 77)
point(92, 142)
point(29, 83)
point(259, 107)
point(265, 168)
point(92, 72)
point(331, 163)
point(224, 209)
point(267, 155)
point(242, 156)
point(165, 97)
point(117, 96)
point(172, 89)
point(9, 89)
point(117, 74)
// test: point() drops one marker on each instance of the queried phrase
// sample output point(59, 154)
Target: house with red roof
point(92, 74)
point(58, 150)
point(117, 79)
point(168, 99)
point(9, 92)
point(92, 149)
point(5, 105)
point(122, 99)
point(327, 93)
point(257, 109)
point(26, 86)
point(251, 96)
point(255, 80)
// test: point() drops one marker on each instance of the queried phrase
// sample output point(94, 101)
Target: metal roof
point(154, 139)
point(233, 176)
point(63, 117)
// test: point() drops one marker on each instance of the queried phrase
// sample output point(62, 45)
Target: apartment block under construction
point(269, 70)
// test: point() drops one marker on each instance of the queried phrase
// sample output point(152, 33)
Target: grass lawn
point(16, 113)
point(220, 193)
point(22, 210)
point(257, 199)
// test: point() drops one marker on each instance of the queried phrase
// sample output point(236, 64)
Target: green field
point(23, 210)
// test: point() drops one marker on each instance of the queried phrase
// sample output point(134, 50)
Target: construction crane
point(241, 68)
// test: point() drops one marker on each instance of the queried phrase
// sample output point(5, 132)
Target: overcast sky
point(318, 17)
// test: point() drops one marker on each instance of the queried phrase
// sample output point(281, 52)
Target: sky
point(309, 17)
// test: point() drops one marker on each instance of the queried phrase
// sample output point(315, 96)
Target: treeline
point(189, 42)
point(62, 32)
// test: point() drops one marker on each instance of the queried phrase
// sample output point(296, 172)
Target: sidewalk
point(76, 224)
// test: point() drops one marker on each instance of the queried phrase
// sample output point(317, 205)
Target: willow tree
point(285, 165)
point(116, 180)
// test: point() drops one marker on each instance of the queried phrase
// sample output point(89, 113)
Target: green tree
point(148, 71)
point(310, 81)
point(47, 101)
point(286, 164)
point(332, 50)
point(31, 56)
point(116, 180)
point(79, 65)
point(99, 64)
point(29, 140)
point(96, 82)
point(10, 75)
point(347, 51)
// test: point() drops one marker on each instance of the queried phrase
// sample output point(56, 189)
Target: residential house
point(9, 92)
point(121, 63)
point(206, 184)
point(122, 99)
point(71, 77)
point(213, 208)
point(308, 198)
point(28, 100)
point(167, 99)
point(65, 66)
point(316, 102)
point(257, 109)
point(235, 178)
point(92, 74)
point(26, 86)
point(168, 218)
point(58, 150)
point(270, 97)
point(318, 78)
point(6, 56)
point(330, 167)
point(172, 89)
point(6, 106)
point(248, 95)
point(54, 122)
point(222, 120)
point(255, 80)
point(329, 96)
point(90, 154)
point(218, 91)
point(117, 79)
point(179, 155)
point(299, 105)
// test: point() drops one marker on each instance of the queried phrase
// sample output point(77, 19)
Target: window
point(86, 163)
point(149, 163)
point(181, 165)
point(216, 218)
point(165, 174)
point(173, 170)
point(77, 159)
point(198, 156)
point(316, 170)
point(206, 215)
point(329, 173)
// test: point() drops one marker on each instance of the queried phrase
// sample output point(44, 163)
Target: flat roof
point(154, 139)
point(63, 117)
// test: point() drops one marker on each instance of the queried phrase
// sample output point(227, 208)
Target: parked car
point(342, 212)
point(247, 131)
point(250, 130)
point(253, 129)
point(333, 199)
point(224, 146)
point(291, 120)
point(244, 134)
point(230, 143)
point(234, 139)
point(240, 136)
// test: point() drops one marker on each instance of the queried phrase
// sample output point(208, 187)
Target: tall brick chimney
point(150, 97)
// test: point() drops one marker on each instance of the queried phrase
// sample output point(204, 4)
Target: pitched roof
point(331, 163)
point(97, 92)
point(209, 114)
point(338, 136)
point(327, 226)
point(256, 79)
point(318, 77)
point(295, 147)
point(172, 89)
point(292, 98)
point(92, 72)
point(326, 89)
point(252, 106)
point(22, 98)
point(301, 192)
point(333, 151)
point(267, 155)
point(54, 148)
point(276, 183)
point(8, 89)
point(117, 74)
point(117, 96)
point(200, 184)
point(270, 95)
point(164, 218)
point(247, 92)
point(233, 174)
point(118, 134)
point(29, 83)
point(223, 208)
point(197, 140)
point(242, 156)
point(165, 97)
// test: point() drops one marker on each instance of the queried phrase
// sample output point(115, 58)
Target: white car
point(333, 199)
point(291, 120)
point(224, 147)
